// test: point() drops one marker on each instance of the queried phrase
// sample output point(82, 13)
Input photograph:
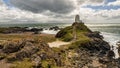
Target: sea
point(110, 31)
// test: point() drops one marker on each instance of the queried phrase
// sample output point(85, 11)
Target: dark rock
point(43, 56)
point(103, 60)
point(95, 34)
point(19, 30)
point(2, 56)
point(14, 30)
point(110, 55)
point(1, 46)
point(10, 48)
point(118, 43)
point(11, 59)
point(54, 28)
point(96, 45)
point(36, 29)
point(28, 50)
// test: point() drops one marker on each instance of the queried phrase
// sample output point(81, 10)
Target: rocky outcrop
point(36, 50)
point(97, 45)
point(89, 50)
point(95, 34)
point(20, 30)
point(54, 28)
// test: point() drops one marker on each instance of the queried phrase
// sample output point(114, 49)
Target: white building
point(77, 19)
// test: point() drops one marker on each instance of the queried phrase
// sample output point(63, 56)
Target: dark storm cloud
point(37, 6)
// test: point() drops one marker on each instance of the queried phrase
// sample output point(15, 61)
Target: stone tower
point(77, 18)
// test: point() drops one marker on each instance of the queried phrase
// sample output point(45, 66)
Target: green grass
point(2, 56)
point(46, 38)
point(3, 29)
point(23, 64)
point(77, 44)
point(66, 34)
point(49, 63)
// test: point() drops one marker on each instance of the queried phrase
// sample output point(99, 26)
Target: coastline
point(95, 47)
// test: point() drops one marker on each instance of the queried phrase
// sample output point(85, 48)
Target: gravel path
point(58, 43)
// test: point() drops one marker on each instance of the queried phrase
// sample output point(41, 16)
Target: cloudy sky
point(59, 11)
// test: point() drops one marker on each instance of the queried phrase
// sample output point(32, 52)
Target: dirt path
point(58, 43)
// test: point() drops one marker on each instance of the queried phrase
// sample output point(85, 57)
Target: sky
point(59, 11)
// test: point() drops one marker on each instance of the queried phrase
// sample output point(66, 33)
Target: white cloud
point(115, 3)
point(88, 15)
point(8, 15)
point(101, 16)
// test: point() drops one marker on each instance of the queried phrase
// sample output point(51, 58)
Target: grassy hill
point(66, 34)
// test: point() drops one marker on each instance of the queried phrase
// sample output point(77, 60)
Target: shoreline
point(113, 43)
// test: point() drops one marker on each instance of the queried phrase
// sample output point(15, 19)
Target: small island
point(23, 48)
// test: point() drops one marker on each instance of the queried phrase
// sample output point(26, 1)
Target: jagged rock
point(95, 34)
point(103, 45)
point(2, 56)
point(54, 28)
point(10, 48)
point(36, 29)
point(103, 60)
point(110, 55)
point(11, 58)
point(37, 61)
point(118, 44)
point(1, 46)
point(97, 45)
point(28, 50)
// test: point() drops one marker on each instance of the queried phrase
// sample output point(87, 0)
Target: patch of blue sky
point(107, 1)
point(101, 7)
point(7, 2)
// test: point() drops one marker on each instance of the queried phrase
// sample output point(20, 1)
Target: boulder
point(28, 50)
point(10, 48)
point(97, 45)
point(1, 46)
point(95, 34)
point(110, 55)
point(54, 28)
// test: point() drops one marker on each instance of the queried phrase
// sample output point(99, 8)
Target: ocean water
point(111, 33)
